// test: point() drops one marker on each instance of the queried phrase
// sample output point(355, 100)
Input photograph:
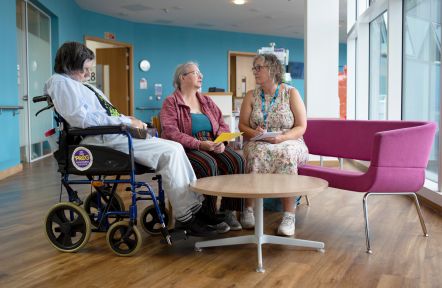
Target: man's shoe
point(247, 218)
point(196, 227)
point(210, 218)
point(287, 226)
point(232, 221)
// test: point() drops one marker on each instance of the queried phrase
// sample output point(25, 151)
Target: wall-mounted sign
point(109, 35)
point(143, 83)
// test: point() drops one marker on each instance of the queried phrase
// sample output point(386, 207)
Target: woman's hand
point(219, 148)
point(258, 131)
point(274, 140)
point(207, 145)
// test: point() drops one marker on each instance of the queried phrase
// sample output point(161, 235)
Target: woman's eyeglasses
point(195, 72)
point(258, 68)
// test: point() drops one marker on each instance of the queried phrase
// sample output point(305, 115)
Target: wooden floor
point(402, 257)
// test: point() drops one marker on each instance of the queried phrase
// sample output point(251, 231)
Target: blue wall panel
point(9, 145)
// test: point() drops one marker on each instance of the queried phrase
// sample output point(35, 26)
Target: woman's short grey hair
point(275, 66)
point(180, 70)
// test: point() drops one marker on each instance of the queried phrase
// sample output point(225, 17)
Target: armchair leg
point(367, 229)
point(419, 212)
point(365, 206)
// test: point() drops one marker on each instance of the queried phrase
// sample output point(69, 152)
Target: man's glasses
point(87, 70)
point(257, 68)
point(195, 72)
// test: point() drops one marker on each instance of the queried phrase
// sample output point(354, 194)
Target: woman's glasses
point(195, 72)
point(258, 68)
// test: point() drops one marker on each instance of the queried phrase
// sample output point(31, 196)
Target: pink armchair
point(398, 152)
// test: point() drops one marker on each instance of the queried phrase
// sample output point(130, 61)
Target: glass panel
point(378, 68)
point(39, 70)
point(421, 85)
point(22, 79)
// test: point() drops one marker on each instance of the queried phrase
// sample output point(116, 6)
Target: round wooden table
point(259, 186)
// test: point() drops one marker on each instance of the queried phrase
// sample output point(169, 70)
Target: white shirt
point(78, 105)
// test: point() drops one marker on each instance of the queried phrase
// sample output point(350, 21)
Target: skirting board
point(11, 171)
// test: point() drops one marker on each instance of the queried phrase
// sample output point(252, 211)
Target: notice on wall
point(143, 84)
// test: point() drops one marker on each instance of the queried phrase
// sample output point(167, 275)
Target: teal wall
point(9, 145)
point(164, 46)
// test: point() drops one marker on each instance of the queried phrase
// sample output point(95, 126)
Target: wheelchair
point(68, 224)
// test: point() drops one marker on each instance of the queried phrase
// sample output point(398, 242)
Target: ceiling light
point(239, 2)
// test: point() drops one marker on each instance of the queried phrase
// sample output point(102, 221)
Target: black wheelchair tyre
point(67, 227)
point(150, 222)
point(124, 239)
point(91, 207)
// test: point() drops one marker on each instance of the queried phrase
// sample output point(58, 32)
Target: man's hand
point(137, 123)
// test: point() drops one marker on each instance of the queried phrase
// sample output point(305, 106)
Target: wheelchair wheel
point(91, 207)
point(124, 239)
point(67, 227)
point(150, 222)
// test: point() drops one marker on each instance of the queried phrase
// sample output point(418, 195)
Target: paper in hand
point(227, 136)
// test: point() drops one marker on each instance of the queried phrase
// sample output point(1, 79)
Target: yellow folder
point(227, 136)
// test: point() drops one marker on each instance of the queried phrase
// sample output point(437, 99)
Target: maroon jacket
point(176, 122)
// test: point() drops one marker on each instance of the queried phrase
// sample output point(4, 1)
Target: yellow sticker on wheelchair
point(82, 158)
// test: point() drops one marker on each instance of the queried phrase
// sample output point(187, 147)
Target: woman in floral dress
point(274, 106)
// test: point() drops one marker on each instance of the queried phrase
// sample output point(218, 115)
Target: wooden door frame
point(131, 70)
point(235, 53)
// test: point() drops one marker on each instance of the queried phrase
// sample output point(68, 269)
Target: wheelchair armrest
point(99, 130)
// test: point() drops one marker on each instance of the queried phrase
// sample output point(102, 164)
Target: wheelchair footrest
point(175, 235)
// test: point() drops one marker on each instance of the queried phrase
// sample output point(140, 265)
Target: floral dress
point(282, 158)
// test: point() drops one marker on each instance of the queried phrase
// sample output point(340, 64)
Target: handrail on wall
point(13, 108)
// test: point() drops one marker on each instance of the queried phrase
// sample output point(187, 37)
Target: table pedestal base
point(260, 238)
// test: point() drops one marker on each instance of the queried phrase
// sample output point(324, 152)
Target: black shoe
point(196, 227)
point(210, 218)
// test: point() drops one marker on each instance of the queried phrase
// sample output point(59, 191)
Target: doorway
point(113, 71)
point(33, 68)
point(240, 76)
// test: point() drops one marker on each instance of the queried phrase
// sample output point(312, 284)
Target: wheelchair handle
point(40, 98)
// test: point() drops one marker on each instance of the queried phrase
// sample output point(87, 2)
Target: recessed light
point(239, 2)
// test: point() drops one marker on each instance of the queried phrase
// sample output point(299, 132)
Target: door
point(241, 78)
point(114, 63)
point(34, 68)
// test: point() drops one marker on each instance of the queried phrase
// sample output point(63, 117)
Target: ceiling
point(269, 17)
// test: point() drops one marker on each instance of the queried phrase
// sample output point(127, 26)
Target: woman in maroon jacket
point(194, 120)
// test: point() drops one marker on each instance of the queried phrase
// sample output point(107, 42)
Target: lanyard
point(110, 109)
point(263, 104)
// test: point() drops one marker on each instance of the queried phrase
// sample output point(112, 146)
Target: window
point(378, 68)
point(421, 68)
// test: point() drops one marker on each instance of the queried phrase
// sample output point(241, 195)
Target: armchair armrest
point(405, 148)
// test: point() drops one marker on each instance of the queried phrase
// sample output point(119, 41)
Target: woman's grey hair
point(275, 66)
point(180, 70)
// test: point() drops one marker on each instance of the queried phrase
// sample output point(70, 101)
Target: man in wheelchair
point(83, 106)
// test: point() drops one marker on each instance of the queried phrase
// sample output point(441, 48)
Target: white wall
point(321, 48)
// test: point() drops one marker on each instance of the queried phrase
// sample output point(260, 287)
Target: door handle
point(25, 98)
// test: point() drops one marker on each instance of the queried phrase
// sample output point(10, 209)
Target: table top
point(258, 185)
